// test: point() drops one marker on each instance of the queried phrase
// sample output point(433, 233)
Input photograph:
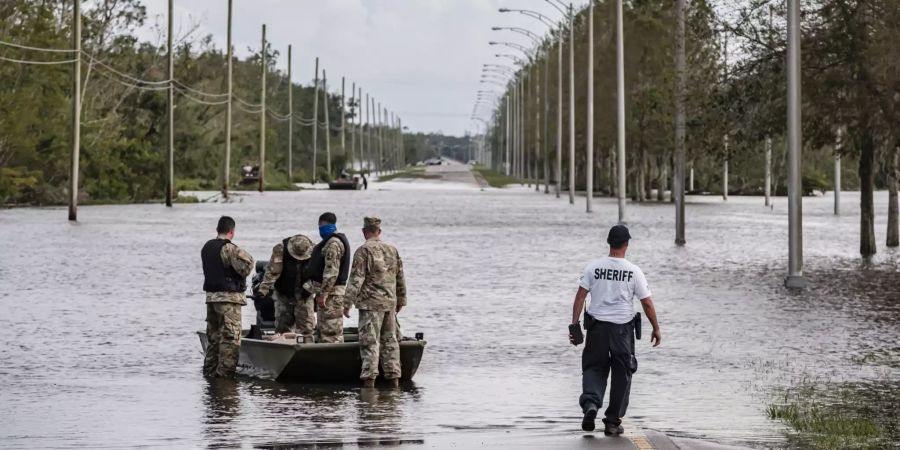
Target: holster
point(588, 321)
point(636, 323)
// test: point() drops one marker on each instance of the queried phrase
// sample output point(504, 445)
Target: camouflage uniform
point(291, 312)
point(377, 287)
point(223, 318)
point(330, 318)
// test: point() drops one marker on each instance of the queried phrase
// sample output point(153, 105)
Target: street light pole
point(620, 100)
point(315, 123)
point(559, 103)
point(571, 105)
point(76, 113)
point(795, 277)
point(290, 120)
point(679, 123)
point(589, 174)
point(227, 165)
point(170, 154)
point(262, 116)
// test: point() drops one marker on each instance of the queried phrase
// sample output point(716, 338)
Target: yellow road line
point(639, 440)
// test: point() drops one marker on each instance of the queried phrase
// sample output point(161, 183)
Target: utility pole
point(368, 136)
point(559, 105)
point(327, 124)
point(383, 121)
point(571, 105)
point(725, 171)
point(290, 121)
point(343, 118)
point(76, 113)
point(837, 170)
point(226, 171)
point(546, 152)
point(620, 100)
point(537, 127)
point(725, 139)
point(170, 153)
point(680, 80)
point(315, 125)
point(508, 101)
point(354, 102)
point(589, 174)
point(262, 116)
point(795, 277)
point(768, 181)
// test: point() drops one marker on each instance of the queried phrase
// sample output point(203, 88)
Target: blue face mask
point(325, 231)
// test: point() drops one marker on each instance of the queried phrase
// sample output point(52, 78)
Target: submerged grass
point(494, 178)
point(413, 172)
point(840, 415)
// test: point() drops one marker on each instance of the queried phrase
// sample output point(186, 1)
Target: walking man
point(327, 274)
point(613, 283)
point(284, 273)
point(378, 289)
point(225, 270)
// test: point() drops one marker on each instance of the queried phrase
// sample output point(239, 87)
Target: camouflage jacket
point(242, 262)
point(376, 280)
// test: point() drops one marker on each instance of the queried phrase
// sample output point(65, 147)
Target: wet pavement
point(99, 320)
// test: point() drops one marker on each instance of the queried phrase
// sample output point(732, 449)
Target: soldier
point(378, 290)
point(225, 270)
point(327, 273)
point(293, 304)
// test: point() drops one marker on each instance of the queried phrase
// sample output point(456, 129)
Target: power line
point(51, 50)
point(37, 63)
point(121, 74)
point(197, 91)
point(202, 102)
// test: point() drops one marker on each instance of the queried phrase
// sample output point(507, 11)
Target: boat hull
point(314, 363)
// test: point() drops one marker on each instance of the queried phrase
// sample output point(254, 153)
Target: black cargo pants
point(608, 347)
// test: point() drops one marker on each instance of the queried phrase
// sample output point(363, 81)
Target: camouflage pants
point(378, 341)
point(223, 334)
point(330, 327)
point(292, 314)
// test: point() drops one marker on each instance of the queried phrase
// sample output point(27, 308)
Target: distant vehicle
point(472, 162)
point(346, 182)
point(434, 162)
point(250, 174)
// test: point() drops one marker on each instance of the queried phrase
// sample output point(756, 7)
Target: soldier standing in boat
point(326, 275)
point(378, 290)
point(611, 325)
point(284, 273)
point(225, 270)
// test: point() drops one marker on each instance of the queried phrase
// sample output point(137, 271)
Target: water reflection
point(222, 405)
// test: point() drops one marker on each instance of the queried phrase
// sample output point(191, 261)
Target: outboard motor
point(265, 307)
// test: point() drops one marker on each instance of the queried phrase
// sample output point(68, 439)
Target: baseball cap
point(618, 234)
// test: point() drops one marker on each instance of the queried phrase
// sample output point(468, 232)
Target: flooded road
point(99, 318)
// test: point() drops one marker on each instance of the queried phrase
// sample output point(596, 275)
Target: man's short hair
point(616, 245)
point(328, 217)
point(225, 226)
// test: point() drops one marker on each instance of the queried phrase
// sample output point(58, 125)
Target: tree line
point(123, 127)
point(735, 99)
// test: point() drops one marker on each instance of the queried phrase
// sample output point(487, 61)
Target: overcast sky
point(420, 58)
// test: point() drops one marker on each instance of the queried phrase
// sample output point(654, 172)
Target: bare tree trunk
point(663, 176)
point(867, 187)
point(893, 225)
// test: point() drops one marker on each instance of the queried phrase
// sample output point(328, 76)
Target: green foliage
point(124, 129)
point(494, 178)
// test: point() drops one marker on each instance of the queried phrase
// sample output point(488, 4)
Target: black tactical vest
point(290, 272)
point(316, 265)
point(216, 276)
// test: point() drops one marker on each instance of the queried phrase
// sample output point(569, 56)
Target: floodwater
point(99, 318)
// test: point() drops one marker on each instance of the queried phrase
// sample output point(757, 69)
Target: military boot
point(369, 383)
point(394, 382)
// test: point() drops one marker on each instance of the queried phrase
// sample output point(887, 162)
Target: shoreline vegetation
point(825, 415)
